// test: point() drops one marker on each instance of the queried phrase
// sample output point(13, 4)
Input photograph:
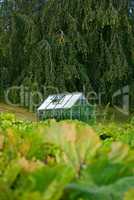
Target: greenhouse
point(66, 106)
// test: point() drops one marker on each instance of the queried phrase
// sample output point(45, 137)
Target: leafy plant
point(65, 161)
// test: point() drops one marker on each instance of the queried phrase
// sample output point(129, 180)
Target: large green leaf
point(114, 191)
point(77, 140)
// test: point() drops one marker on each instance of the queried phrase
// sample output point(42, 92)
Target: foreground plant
point(63, 161)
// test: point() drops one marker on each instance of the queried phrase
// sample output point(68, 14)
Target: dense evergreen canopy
point(68, 44)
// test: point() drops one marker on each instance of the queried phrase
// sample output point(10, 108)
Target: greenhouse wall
point(82, 113)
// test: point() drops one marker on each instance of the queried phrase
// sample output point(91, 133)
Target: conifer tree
point(67, 44)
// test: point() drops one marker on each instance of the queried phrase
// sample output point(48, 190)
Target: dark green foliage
point(67, 44)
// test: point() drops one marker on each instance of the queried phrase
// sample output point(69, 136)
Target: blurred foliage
point(65, 160)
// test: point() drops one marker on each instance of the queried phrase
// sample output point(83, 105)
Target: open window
point(58, 99)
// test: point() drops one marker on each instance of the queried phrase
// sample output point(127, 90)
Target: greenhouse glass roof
point(61, 101)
